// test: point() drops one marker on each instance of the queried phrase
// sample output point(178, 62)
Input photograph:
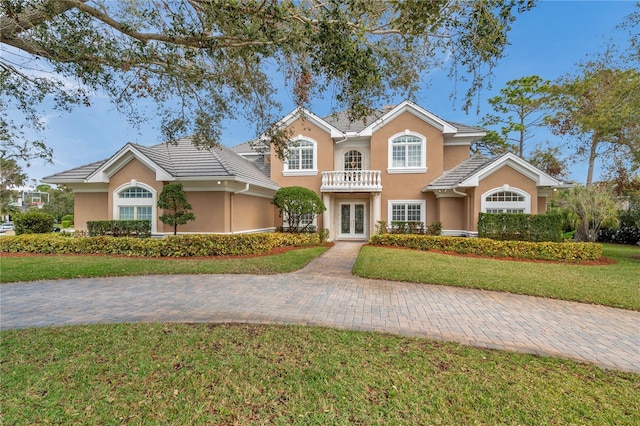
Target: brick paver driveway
point(325, 293)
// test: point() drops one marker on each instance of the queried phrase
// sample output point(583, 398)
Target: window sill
point(299, 173)
point(407, 170)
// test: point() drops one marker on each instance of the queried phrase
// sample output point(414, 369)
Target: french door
point(353, 220)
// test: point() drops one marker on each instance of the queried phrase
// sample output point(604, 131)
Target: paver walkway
point(325, 293)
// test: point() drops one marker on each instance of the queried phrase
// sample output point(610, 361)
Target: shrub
point(520, 227)
point(494, 248)
point(296, 205)
point(67, 218)
point(435, 228)
point(120, 228)
point(33, 222)
point(173, 246)
point(628, 230)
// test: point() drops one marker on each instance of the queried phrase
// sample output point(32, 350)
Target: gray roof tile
point(460, 172)
point(77, 174)
point(182, 159)
point(340, 120)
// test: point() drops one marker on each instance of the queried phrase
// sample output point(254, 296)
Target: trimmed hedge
point(520, 227)
point(173, 246)
point(494, 248)
point(120, 228)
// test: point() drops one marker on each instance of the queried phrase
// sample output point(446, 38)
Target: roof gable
point(305, 114)
point(418, 111)
point(470, 172)
point(516, 163)
point(103, 173)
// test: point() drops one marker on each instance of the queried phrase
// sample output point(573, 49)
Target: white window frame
point(506, 206)
point(135, 202)
point(423, 210)
point(302, 172)
point(313, 223)
point(423, 154)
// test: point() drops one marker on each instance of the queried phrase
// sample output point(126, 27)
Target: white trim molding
point(525, 204)
point(299, 171)
point(391, 203)
point(118, 202)
point(422, 168)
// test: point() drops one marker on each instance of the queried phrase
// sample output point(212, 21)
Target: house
point(401, 164)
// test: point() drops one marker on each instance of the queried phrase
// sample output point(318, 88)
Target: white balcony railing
point(351, 181)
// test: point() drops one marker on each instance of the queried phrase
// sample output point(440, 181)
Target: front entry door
point(353, 220)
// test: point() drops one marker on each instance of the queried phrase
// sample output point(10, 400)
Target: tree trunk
point(593, 153)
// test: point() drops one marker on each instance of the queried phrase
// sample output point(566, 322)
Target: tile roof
point(79, 173)
point(182, 159)
point(463, 128)
point(460, 172)
point(340, 120)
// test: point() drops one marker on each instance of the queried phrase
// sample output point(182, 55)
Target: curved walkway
point(325, 293)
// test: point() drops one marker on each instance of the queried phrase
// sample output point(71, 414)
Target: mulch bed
point(277, 250)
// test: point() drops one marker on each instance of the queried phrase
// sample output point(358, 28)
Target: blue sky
point(548, 41)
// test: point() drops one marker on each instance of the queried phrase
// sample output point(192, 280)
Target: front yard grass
point(52, 267)
point(255, 374)
point(616, 285)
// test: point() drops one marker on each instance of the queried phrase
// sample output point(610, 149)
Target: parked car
point(7, 226)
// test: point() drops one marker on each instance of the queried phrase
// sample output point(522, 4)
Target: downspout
point(231, 201)
point(455, 191)
point(466, 218)
point(246, 188)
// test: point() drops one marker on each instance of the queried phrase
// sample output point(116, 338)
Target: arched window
point(407, 153)
point(135, 192)
point(302, 158)
point(134, 201)
point(353, 160)
point(506, 200)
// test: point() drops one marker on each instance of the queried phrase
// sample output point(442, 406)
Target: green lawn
point(182, 374)
point(616, 285)
point(51, 267)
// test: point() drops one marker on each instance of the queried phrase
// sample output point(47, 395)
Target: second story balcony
point(351, 181)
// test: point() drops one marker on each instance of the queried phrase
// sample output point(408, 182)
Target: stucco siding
point(454, 155)
point(90, 206)
point(251, 213)
point(452, 215)
point(211, 210)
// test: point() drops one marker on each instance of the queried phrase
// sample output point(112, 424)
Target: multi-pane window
point(134, 203)
point(301, 155)
point(505, 196)
point(406, 151)
point(135, 213)
point(306, 219)
point(353, 160)
point(512, 211)
point(127, 213)
point(407, 212)
point(505, 201)
point(135, 192)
